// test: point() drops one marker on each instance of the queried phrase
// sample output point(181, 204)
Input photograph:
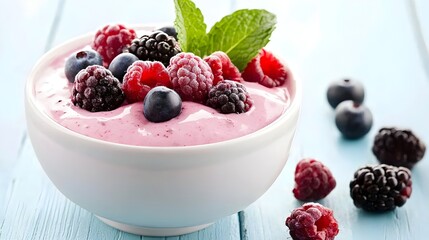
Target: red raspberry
point(313, 180)
point(111, 40)
point(312, 221)
point(191, 77)
point(266, 69)
point(223, 68)
point(141, 77)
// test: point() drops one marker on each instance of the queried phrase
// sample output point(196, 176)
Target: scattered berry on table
point(229, 97)
point(398, 147)
point(353, 120)
point(169, 30)
point(161, 104)
point(141, 77)
point(312, 221)
point(96, 89)
point(80, 60)
point(313, 180)
point(191, 76)
point(223, 68)
point(111, 40)
point(120, 64)
point(266, 69)
point(157, 46)
point(381, 187)
point(345, 89)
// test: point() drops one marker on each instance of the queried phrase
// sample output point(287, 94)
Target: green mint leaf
point(190, 27)
point(241, 35)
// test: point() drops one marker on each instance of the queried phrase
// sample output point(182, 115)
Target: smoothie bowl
point(157, 178)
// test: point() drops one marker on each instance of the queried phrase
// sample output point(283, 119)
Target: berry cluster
point(152, 69)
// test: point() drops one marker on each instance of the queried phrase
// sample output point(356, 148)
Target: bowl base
point(148, 231)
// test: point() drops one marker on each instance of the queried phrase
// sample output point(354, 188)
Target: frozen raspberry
point(141, 77)
point(223, 68)
point(229, 97)
point(266, 69)
point(111, 40)
point(96, 89)
point(191, 77)
point(313, 180)
point(312, 221)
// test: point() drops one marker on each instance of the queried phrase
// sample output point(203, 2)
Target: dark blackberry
point(398, 147)
point(380, 188)
point(96, 89)
point(169, 30)
point(229, 97)
point(157, 46)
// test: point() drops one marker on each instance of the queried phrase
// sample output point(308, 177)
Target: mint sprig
point(240, 35)
point(190, 26)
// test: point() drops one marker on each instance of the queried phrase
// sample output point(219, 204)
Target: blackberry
point(229, 97)
point(380, 188)
point(157, 46)
point(96, 89)
point(398, 147)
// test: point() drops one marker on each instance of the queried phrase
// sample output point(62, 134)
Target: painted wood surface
point(381, 43)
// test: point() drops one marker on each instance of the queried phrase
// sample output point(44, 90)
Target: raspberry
point(157, 46)
point(312, 221)
point(141, 77)
point(96, 89)
point(313, 180)
point(266, 69)
point(229, 97)
point(380, 188)
point(223, 68)
point(110, 41)
point(398, 147)
point(191, 77)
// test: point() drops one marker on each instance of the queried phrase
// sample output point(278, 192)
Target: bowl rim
point(294, 106)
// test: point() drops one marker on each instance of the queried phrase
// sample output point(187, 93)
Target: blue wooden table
point(384, 44)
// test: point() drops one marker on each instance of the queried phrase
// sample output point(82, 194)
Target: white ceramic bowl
point(159, 191)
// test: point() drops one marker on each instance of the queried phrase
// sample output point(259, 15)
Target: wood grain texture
point(375, 43)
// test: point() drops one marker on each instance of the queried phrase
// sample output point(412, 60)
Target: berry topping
point(380, 188)
point(398, 147)
point(191, 77)
point(313, 180)
point(161, 104)
point(169, 30)
point(266, 69)
point(312, 221)
point(229, 97)
point(352, 119)
point(96, 89)
point(345, 89)
point(80, 60)
point(141, 77)
point(222, 68)
point(120, 64)
point(111, 40)
point(157, 46)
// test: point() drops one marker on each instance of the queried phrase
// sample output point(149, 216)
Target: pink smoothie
point(197, 124)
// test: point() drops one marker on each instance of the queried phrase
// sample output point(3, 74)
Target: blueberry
point(353, 119)
point(343, 90)
point(80, 60)
point(161, 104)
point(169, 30)
point(120, 64)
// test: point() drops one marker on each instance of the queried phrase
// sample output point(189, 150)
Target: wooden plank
point(35, 209)
point(20, 46)
point(374, 42)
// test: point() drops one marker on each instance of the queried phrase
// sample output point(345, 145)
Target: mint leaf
point(241, 35)
point(190, 27)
